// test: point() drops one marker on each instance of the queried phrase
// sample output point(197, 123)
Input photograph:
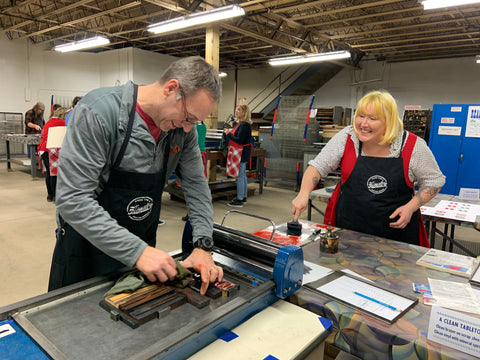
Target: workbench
point(258, 153)
point(322, 194)
point(448, 232)
point(390, 264)
point(32, 141)
point(432, 223)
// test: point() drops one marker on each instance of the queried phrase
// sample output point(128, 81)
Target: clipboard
point(365, 296)
point(55, 136)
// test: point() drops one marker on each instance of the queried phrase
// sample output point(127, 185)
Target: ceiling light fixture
point(82, 44)
point(221, 13)
point(436, 4)
point(300, 59)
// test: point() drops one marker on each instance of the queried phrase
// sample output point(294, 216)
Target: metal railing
point(270, 93)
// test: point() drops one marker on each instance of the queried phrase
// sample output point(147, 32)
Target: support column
point(212, 56)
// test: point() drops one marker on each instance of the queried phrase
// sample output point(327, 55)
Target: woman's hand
point(299, 204)
point(404, 214)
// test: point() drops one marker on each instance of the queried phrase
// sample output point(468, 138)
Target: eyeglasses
point(186, 113)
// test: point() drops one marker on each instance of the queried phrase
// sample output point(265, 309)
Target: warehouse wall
point(31, 73)
point(421, 83)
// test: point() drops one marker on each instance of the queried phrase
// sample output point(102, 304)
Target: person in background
point(239, 150)
point(75, 100)
point(122, 144)
point(50, 156)
point(380, 162)
point(201, 134)
point(34, 119)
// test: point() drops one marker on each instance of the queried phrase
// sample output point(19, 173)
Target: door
point(455, 142)
point(446, 141)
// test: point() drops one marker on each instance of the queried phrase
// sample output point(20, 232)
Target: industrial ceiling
point(385, 30)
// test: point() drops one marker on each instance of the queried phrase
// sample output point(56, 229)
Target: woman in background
point(239, 150)
point(50, 156)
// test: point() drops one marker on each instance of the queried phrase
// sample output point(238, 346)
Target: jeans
point(242, 181)
point(50, 181)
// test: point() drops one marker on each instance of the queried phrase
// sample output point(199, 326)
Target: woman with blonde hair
point(50, 156)
point(239, 150)
point(379, 162)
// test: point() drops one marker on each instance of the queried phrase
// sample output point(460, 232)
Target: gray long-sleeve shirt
point(95, 134)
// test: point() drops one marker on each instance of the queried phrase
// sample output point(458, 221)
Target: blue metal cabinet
point(455, 142)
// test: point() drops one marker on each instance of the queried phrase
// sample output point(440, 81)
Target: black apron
point(374, 189)
point(133, 199)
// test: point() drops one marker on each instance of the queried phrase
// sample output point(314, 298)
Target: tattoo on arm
point(429, 191)
point(315, 180)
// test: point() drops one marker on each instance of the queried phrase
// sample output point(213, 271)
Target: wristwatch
point(205, 243)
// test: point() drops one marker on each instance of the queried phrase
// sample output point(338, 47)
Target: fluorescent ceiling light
point(300, 59)
point(435, 4)
point(221, 13)
point(83, 44)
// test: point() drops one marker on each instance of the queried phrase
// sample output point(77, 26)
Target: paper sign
point(469, 194)
point(413, 107)
point(55, 136)
point(473, 122)
point(447, 120)
point(454, 329)
point(450, 130)
point(456, 109)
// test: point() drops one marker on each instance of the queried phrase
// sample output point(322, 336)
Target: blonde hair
point(385, 108)
point(60, 113)
point(247, 115)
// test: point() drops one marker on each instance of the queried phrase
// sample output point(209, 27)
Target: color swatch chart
point(453, 210)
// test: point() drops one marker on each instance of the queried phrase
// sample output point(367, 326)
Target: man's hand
point(202, 262)
point(157, 265)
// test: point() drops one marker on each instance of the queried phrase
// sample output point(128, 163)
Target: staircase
point(301, 81)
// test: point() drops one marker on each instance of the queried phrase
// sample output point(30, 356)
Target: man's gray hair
point(194, 73)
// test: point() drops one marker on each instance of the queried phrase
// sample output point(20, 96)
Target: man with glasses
point(121, 146)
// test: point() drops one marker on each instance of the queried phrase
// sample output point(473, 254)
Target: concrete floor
point(27, 225)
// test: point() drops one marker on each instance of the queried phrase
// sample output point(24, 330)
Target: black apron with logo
point(133, 199)
point(375, 188)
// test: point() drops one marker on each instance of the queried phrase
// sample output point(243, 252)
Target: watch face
point(206, 243)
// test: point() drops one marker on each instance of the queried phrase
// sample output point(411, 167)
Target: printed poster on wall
point(473, 122)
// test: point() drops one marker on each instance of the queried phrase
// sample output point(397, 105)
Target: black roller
point(246, 245)
point(294, 228)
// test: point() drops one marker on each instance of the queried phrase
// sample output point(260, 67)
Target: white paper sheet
point(313, 272)
point(454, 295)
point(345, 288)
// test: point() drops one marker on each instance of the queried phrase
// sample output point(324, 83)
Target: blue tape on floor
point(228, 336)
point(327, 324)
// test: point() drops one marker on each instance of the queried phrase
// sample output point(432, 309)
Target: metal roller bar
point(245, 245)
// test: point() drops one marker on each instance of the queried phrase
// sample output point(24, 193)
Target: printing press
point(69, 323)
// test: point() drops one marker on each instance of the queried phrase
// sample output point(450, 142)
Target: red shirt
point(154, 129)
point(43, 137)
